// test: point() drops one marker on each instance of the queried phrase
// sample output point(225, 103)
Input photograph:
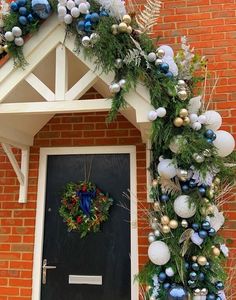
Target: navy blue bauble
point(201, 276)
point(41, 8)
point(206, 225)
point(166, 285)
point(164, 67)
point(94, 17)
point(164, 198)
point(195, 226)
point(185, 188)
point(211, 297)
point(202, 191)
point(192, 184)
point(14, 6)
point(23, 11)
point(209, 133)
point(193, 276)
point(21, 3)
point(195, 266)
point(207, 265)
point(88, 18)
point(202, 234)
point(186, 264)
point(87, 26)
point(80, 26)
point(219, 285)
point(177, 293)
point(103, 13)
point(162, 277)
point(211, 232)
point(192, 283)
point(23, 20)
point(169, 74)
point(210, 141)
point(214, 137)
point(30, 18)
point(218, 298)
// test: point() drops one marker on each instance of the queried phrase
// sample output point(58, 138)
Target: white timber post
point(61, 80)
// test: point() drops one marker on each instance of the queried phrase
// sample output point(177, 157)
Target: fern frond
point(169, 186)
point(148, 17)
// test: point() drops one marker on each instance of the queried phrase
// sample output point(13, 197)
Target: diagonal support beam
point(61, 80)
point(82, 86)
point(40, 87)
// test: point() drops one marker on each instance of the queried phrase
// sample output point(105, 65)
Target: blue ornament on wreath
point(192, 184)
point(30, 18)
point(94, 17)
point(195, 226)
point(41, 8)
point(14, 6)
point(103, 13)
point(209, 134)
point(88, 26)
point(86, 199)
point(164, 198)
point(219, 285)
point(185, 188)
point(211, 297)
point(211, 232)
point(201, 276)
point(162, 277)
point(80, 26)
point(177, 293)
point(195, 266)
point(164, 67)
point(23, 11)
point(206, 225)
point(202, 234)
point(21, 3)
point(23, 20)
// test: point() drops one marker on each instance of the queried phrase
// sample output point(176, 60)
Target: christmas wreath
point(84, 207)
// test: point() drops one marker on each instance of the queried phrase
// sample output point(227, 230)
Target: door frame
point(40, 210)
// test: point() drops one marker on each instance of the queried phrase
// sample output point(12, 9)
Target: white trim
point(61, 77)
point(38, 247)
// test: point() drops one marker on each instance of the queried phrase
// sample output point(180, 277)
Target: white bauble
point(68, 19)
point(172, 65)
point(16, 31)
point(199, 297)
point(168, 50)
point(61, 11)
point(175, 143)
point(70, 4)
point(9, 36)
point(152, 115)
point(161, 112)
point(224, 143)
point(62, 2)
point(169, 272)
point(166, 169)
point(196, 126)
point(159, 253)
point(77, 2)
point(75, 12)
point(194, 105)
point(83, 8)
point(19, 41)
point(183, 207)
point(114, 88)
point(151, 57)
point(193, 118)
point(213, 120)
point(202, 119)
point(88, 5)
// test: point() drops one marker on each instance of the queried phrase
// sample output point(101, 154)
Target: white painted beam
point(61, 80)
point(40, 87)
point(14, 136)
point(25, 171)
point(82, 86)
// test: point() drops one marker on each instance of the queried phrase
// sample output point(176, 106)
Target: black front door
point(106, 253)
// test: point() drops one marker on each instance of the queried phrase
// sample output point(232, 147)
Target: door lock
point(45, 267)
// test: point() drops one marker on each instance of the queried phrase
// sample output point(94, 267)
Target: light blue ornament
point(177, 293)
point(41, 8)
point(23, 20)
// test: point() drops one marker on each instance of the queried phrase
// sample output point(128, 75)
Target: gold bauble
point(183, 113)
point(210, 209)
point(184, 223)
point(129, 30)
point(127, 19)
point(216, 251)
point(165, 220)
point(173, 224)
point(160, 53)
point(1, 49)
point(202, 260)
point(205, 200)
point(122, 27)
point(148, 287)
point(186, 121)
point(194, 258)
point(217, 180)
point(197, 292)
point(5, 48)
point(156, 206)
point(154, 182)
point(165, 229)
point(178, 122)
point(114, 29)
point(210, 193)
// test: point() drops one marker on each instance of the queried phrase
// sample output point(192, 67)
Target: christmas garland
point(84, 207)
point(192, 165)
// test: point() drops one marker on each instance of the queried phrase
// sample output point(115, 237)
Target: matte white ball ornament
point(196, 126)
point(169, 272)
point(75, 12)
point(122, 83)
point(152, 115)
point(193, 118)
point(202, 119)
point(19, 41)
point(224, 143)
point(86, 41)
point(61, 11)
point(161, 112)
point(16, 31)
point(159, 253)
point(9, 36)
point(62, 2)
point(70, 4)
point(213, 120)
point(183, 208)
point(114, 88)
point(168, 50)
point(151, 57)
point(83, 8)
point(68, 19)
point(166, 169)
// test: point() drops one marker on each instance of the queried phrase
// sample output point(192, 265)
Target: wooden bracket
point(21, 171)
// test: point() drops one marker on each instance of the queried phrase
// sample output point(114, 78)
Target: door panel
point(105, 253)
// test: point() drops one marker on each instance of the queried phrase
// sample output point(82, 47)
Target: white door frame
point(39, 228)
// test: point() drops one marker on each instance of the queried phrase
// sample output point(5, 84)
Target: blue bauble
point(202, 234)
point(201, 276)
point(195, 266)
point(192, 283)
point(207, 265)
point(103, 13)
point(177, 293)
point(210, 141)
point(23, 20)
point(166, 285)
point(80, 26)
point(219, 285)
point(87, 18)
point(14, 6)
point(214, 137)
point(209, 133)
point(30, 18)
point(23, 11)
point(218, 298)
point(164, 67)
point(192, 184)
point(41, 8)
point(162, 277)
point(94, 17)
point(195, 226)
point(186, 264)
point(193, 276)
point(202, 191)
point(206, 225)
point(185, 188)
point(87, 26)
point(211, 232)
point(169, 74)
point(211, 297)
point(164, 198)
point(21, 3)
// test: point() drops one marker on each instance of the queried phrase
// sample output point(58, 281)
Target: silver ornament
point(86, 42)
point(19, 41)
point(151, 57)
point(9, 36)
point(152, 298)
point(151, 237)
point(122, 83)
point(198, 158)
point(204, 292)
point(158, 62)
point(118, 63)
point(160, 53)
point(157, 233)
point(207, 153)
point(182, 174)
point(184, 223)
point(197, 292)
point(183, 95)
point(94, 38)
point(181, 85)
point(17, 32)
point(114, 88)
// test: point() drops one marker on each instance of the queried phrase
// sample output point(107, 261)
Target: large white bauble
point(61, 11)
point(213, 120)
point(152, 115)
point(68, 19)
point(172, 65)
point(75, 12)
point(183, 207)
point(70, 4)
point(62, 2)
point(166, 169)
point(161, 112)
point(19, 41)
point(224, 143)
point(202, 119)
point(16, 31)
point(9, 36)
point(83, 8)
point(159, 253)
point(168, 50)
point(194, 105)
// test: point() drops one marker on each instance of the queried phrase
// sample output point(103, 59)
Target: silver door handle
point(45, 267)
